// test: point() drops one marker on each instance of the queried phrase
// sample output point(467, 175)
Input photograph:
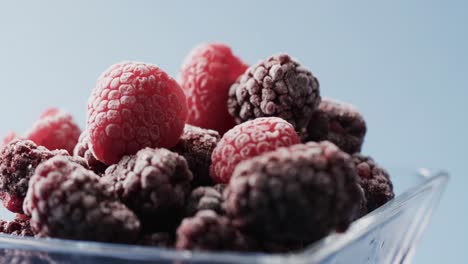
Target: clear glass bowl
point(387, 235)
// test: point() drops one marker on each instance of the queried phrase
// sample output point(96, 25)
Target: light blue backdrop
point(403, 63)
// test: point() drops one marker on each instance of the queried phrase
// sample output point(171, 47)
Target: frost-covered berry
point(17, 226)
point(8, 138)
point(134, 105)
point(375, 181)
point(55, 129)
point(18, 160)
point(248, 140)
point(65, 200)
point(205, 198)
point(209, 231)
point(154, 183)
point(296, 194)
point(82, 150)
point(278, 86)
point(337, 122)
point(196, 145)
point(206, 75)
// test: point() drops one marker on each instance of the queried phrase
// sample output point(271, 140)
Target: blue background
point(403, 63)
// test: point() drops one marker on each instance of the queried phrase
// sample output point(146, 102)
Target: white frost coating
point(342, 104)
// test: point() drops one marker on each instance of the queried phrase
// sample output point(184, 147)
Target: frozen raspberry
point(154, 183)
point(55, 130)
point(209, 231)
point(9, 138)
point(205, 198)
point(278, 86)
point(134, 105)
point(161, 239)
point(196, 145)
point(375, 181)
point(206, 75)
point(82, 150)
point(18, 226)
point(65, 200)
point(346, 126)
point(248, 140)
point(296, 194)
point(18, 160)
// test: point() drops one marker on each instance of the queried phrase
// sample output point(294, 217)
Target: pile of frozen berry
point(228, 157)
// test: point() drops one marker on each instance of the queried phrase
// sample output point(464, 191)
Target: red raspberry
point(206, 75)
point(55, 130)
point(9, 138)
point(248, 140)
point(12, 202)
point(134, 105)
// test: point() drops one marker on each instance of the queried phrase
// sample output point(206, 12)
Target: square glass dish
point(386, 235)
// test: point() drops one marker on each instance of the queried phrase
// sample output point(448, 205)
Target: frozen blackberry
point(317, 130)
point(196, 145)
point(209, 231)
point(65, 200)
point(375, 181)
point(205, 198)
point(154, 183)
point(18, 160)
point(278, 86)
point(18, 226)
point(161, 239)
point(345, 126)
point(296, 194)
point(82, 150)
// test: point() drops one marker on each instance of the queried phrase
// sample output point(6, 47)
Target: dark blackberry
point(65, 200)
point(18, 226)
point(209, 231)
point(339, 123)
point(375, 181)
point(82, 150)
point(278, 86)
point(161, 239)
point(196, 145)
point(295, 195)
point(154, 183)
point(18, 160)
point(205, 198)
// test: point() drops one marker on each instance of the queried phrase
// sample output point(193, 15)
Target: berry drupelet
point(205, 198)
